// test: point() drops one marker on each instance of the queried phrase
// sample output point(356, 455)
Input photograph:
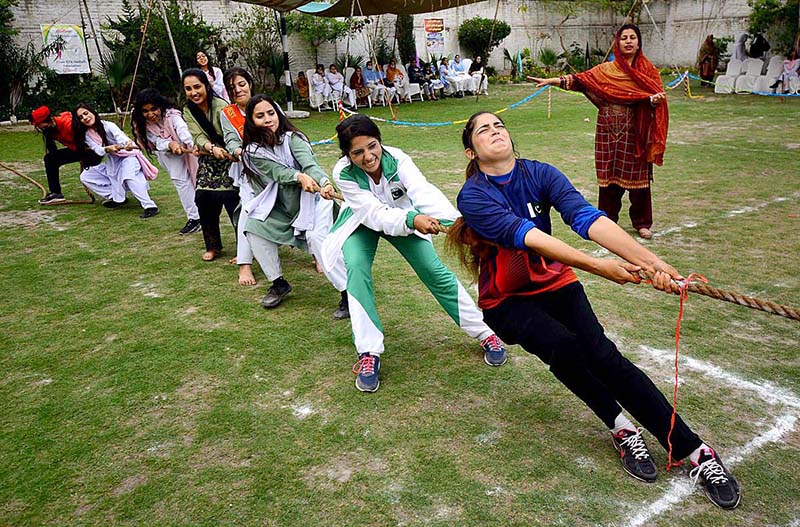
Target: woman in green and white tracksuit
point(386, 196)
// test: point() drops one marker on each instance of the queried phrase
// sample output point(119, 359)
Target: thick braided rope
point(747, 301)
point(44, 191)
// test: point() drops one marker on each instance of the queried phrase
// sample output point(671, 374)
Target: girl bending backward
point(530, 296)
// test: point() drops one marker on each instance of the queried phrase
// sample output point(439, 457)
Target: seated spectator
point(396, 77)
point(479, 78)
point(302, 84)
point(358, 85)
point(430, 76)
point(417, 76)
point(790, 71)
point(448, 79)
point(459, 70)
point(338, 88)
point(319, 82)
point(373, 78)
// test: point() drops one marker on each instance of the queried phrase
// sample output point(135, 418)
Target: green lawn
point(142, 386)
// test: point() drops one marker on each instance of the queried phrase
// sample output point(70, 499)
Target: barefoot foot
point(210, 255)
point(246, 275)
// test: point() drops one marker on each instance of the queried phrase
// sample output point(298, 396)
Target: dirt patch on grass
point(129, 484)
point(29, 219)
point(341, 469)
point(222, 454)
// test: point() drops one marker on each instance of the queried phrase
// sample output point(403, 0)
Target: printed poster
point(72, 58)
point(434, 35)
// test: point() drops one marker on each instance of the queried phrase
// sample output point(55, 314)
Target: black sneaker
point(634, 456)
point(367, 368)
point(111, 204)
point(277, 291)
point(494, 352)
point(53, 197)
point(149, 212)
point(343, 311)
point(190, 227)
point(719, 485)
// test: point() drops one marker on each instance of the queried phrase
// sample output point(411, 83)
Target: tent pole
point(169, 35)
point(286, 70)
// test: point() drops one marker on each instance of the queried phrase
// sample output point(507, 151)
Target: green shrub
point(473, 35)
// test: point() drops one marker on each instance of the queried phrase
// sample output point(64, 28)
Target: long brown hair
point(462, 241)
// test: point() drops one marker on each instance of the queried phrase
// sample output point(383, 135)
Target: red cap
point(40, 115)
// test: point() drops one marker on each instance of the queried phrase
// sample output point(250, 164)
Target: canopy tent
point(344, 8)
point(348, 8)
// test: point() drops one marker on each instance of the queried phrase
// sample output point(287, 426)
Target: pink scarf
point(166, 130)
point(150, 172)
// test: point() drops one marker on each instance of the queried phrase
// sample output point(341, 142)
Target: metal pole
point(286, 70)
point(100, 56)
point(169, 35)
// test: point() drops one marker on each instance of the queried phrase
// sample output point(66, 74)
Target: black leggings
point(209, 206)
point(561, 329)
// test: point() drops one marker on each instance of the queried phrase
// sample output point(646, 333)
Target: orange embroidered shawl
point(621, 83)
point(235, 117)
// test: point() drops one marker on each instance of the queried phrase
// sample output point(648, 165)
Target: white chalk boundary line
point(597, 253)
point(680, 489)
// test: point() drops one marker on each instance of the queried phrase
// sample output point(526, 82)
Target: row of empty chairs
point(746, 76)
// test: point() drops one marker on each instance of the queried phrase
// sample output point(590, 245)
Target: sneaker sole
point(53, 201)
point(494, 365)
point(360, 389)
point(628, 471)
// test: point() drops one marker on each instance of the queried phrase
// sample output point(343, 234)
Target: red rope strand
point(684, 295)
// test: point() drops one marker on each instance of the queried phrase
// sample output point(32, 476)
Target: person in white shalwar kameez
point(158, 126)
point(123, 169)
point(339, 90)
point(386, 196)
point(239, 84)
point(294, 206)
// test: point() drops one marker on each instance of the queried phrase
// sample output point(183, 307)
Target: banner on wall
point(434, 35)
point(72, 57)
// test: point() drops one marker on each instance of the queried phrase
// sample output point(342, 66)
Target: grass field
point(142, 386)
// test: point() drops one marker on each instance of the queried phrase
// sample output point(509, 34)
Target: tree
point(256, 41)
point(473, 35)
point(26, 64)
point(316, 29)
point(777, 20)
point(189, 31)
point(404, 31)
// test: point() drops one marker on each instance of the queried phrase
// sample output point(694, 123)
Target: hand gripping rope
point(696, 283)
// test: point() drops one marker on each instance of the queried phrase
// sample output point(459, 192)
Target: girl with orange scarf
point(632, 124)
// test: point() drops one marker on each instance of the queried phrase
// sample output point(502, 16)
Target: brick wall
point(681, 26)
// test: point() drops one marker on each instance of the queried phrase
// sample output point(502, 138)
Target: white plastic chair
point(411, 89)
point(774, 69)
point(752, 71)
point(725, 83)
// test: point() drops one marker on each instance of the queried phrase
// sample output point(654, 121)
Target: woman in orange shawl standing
point(632, 124)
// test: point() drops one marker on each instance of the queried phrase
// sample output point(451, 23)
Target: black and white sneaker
point(718, 484)
point(190, 227)
point(51, 198)
point(634, 456)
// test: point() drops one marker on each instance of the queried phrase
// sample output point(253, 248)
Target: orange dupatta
point(235, 117)
point(621, 83)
